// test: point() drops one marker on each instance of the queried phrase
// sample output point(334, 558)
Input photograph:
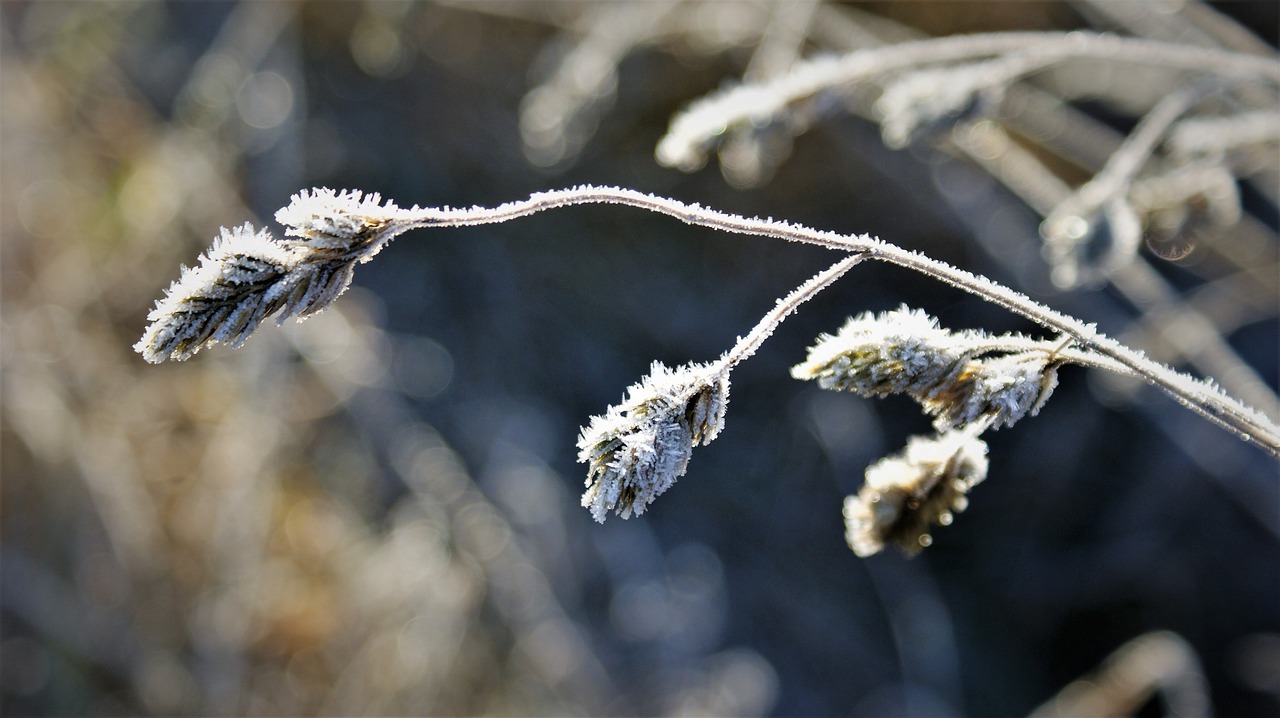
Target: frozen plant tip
point(906, 495)
point(959, 378)
point(926, 102)
point(241, 279)
point(638, 449)
point(248, 275)
point(346, 222)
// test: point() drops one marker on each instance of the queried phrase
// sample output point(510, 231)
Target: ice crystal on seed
point(248, 275)
point(959, 378)
point(638, 448)
point(344, 220)
point(907, 494)
point(240, 280)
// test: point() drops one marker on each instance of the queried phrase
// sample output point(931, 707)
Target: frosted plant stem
point(1065, 353)
point(1200, 396)
point(1197, 395)
point(1203, 348)
point(748, 345)
point(708, 118)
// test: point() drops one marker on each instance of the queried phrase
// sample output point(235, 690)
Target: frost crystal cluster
point(960, 378)
point(640, 447)
point(239, 281)
point(906, 495)
point(248, 275)
point(345, 222)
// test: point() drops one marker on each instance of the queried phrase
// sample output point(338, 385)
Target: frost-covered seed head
point(249, 275)
point(905, 495)
point(956, 377)
point(637, 449)
point(876, 355)
point(998, 391)
point(243, 278)
point(347, 221)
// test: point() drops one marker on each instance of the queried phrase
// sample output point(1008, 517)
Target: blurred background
point(375, 511)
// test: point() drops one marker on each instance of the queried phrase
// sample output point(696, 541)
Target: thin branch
point(1159, 662)
point(746, 346)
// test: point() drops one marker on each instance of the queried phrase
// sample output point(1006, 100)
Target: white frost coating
point(249, 275)
point(241, 279)
point(960, 378)
point(693, 130)
point(906, 495)
point(638, 448)
point(329, 219)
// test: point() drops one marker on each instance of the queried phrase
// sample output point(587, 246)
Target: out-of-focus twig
point(1159, 663)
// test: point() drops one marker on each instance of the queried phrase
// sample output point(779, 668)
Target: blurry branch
point(558, 116)
point(684, 144)
point(1158, 663)
point(1170, 178)
point(1188, 23)
point(783, 39)
point(1076, 217)
point(749, 157)
point(1214, 135)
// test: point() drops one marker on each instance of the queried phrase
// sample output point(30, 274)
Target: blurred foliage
point(375, 511)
